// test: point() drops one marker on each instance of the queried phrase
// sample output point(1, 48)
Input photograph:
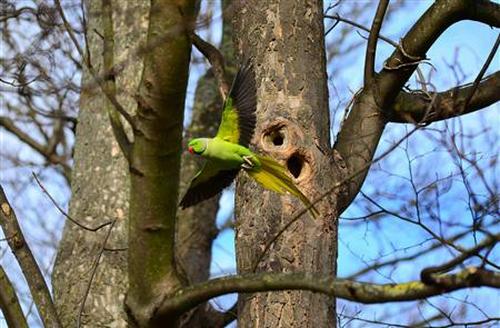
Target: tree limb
point(428, 274)
point(216, 60)
point(441, 15)
point(371, 48)
point(9, 303)
point(419, 107)
point(366, 293)
point(36, 283)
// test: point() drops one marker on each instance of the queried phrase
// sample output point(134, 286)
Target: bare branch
point(426, 322)
point(216, 60)
point(360, 292)
point(428, 275)
point(66, 215)
point(441, 15)
point(94, 271)
point(9, 303)
point(339, 18)
point(416, 107)
point(482, 72)
point(371, 48)
point(51, 157)
point(38, 288)
point(360, 133)
point(399, 260)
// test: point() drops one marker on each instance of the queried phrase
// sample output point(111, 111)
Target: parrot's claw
point(248, 163)
point(246, 166)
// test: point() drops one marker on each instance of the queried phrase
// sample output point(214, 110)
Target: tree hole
point(295, 164)
point(275, 138)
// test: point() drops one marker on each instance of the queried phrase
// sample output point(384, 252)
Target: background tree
point(135, 60)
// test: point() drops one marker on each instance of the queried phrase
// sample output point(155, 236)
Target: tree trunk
point(285, 41)
point(100, 181)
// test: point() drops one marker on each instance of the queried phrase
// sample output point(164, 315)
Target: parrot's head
point(197, 146)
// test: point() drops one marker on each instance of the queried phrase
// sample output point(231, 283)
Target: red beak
point(191, 150)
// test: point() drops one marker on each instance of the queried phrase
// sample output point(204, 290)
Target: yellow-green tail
point(272, 175)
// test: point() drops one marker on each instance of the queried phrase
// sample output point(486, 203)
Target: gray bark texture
point(285, 41)
point(100, 181)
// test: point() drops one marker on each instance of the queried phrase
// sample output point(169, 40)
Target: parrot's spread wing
point(207, 183)
point(238, 116)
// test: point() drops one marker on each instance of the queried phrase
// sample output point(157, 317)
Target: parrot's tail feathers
point(272, 175)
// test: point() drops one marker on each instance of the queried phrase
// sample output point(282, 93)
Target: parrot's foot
point(248, 163)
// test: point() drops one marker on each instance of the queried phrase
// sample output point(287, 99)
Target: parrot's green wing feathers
point(238, 116)
point(207, 183)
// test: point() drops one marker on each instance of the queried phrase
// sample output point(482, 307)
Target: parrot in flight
point(227, 153)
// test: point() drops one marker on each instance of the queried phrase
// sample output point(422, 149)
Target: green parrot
point(227, 153)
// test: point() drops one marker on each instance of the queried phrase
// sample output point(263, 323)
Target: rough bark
point(99, 181)
point(293, 127)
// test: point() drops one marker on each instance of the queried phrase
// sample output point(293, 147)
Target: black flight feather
point(243, 93)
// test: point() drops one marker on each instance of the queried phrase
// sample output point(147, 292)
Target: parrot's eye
point(191, 150)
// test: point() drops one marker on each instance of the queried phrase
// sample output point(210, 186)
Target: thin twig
point(379, 265)
point(372, 43)
point(94, 271)
point(53, 158)
point(482, 72)
point(66, 215)
point(337, 17)
point(428, 230)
